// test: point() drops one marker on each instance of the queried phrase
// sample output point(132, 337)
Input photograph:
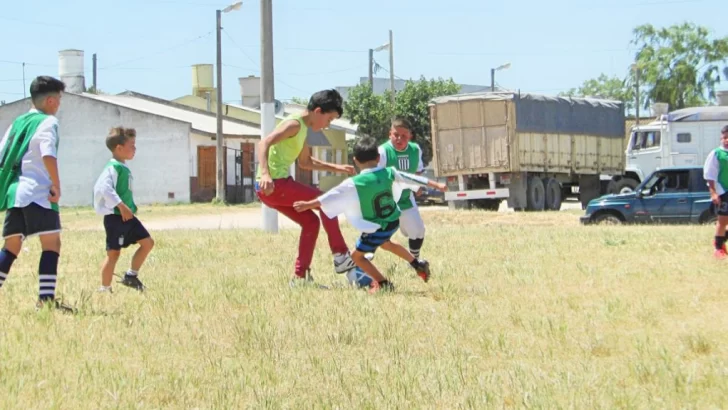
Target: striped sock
point(6, 262)
point(47, 274)
point(414, 247)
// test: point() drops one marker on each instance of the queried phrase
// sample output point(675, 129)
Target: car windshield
point(677, 181)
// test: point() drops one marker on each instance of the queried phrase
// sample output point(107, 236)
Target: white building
point(170, 138)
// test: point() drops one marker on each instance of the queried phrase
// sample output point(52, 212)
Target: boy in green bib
point(369, 201)
point(114, 199)
point(31, 187)
point(400, 152)
point(715, 172)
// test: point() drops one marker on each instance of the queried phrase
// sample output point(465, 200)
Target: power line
point(239, 48)
point(159, 52)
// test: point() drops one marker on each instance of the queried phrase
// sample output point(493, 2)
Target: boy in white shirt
point(369, 201)
point(30, 187)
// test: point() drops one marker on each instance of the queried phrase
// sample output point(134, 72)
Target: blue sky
point(149, 45)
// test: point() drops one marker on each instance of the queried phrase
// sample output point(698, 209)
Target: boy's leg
point(413, 227)
point(286, 192)
point(135, 232)
point(13, 234)
point(421, 266)
point(310, 227)
point(107, 268)
point(720, 228)
point(368, 243)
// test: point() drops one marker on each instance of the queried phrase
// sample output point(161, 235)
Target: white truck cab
point(679, 138)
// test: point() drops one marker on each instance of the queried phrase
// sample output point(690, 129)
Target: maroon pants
point(287, 191)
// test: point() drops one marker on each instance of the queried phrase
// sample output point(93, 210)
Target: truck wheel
point(552, 194)
point(626, 185)
point(535, 194)
point(607, 219)
point(612, 187)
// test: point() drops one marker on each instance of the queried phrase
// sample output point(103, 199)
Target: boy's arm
point(288, 130)
point(307, 162)
point(415, 182)
point(421, 165)
point(47, 136)
point(335, 201)
point(710, 174)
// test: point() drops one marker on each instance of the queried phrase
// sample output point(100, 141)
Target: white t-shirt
point(711, 170)
point(35, 183)
point(344, 198)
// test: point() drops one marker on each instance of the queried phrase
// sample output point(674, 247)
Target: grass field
point(524, 310)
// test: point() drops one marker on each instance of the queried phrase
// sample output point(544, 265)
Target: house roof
point(200, 122)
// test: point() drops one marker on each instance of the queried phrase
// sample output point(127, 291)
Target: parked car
point(670, 195)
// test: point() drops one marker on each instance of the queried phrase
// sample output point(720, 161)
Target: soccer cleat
point(720, 254)
point(55, 304)
point(104, 289)
point(343, 262)
point(381, 286)
point(423, 269)
point(132, 282)
point(723, 248)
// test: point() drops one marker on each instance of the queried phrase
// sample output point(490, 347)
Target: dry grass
point(524, 310)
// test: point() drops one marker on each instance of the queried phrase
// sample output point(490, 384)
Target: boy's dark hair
point(724, 130)
point(44, 85)
point(402, 122)
point(328, 101)
point(118, 136)
point(366, 149)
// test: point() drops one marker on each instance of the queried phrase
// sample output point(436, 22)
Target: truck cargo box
point(512, 132)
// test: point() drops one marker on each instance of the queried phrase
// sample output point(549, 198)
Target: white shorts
point(411, 224)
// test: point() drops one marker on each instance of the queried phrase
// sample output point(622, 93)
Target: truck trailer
point(529, 149)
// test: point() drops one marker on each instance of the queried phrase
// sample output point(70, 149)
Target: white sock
point(132, 272)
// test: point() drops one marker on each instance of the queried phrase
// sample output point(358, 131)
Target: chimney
point(250, 91)
point(722, 97)
point(70, 70)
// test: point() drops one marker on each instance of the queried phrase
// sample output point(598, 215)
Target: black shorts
point(722, 209)
point(120, 234)
point(31, 220)
point(369, 242)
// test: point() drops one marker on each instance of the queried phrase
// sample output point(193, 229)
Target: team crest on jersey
point(404, 162)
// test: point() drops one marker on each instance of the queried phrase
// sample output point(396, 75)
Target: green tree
point(299, 100)
point(612, 88)
point(373, 113)
point(678, 65)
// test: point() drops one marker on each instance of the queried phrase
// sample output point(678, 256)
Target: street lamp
point(492, 74)
point(220, 159)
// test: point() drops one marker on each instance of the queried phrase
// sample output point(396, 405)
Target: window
point(645, 140)
point(684, 137)
point(676, 182)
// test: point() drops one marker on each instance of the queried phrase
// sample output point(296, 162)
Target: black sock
point(47, 274)
point(415, 263)
point(719, 241)
point(414, 247)
point(6, 262)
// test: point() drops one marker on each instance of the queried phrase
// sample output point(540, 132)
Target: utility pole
point(637, 94)
point(391, 68)
point(96, 90)
point(267, 93)
point(492, 79)
point(219, 136)
point(371, 69)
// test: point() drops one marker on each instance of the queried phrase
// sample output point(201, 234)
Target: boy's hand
point(301, 206)
point(348, 169)
point(126, 213)
point(266, 184)
point(440, 186)
point(55, 194)
point(715, 198)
